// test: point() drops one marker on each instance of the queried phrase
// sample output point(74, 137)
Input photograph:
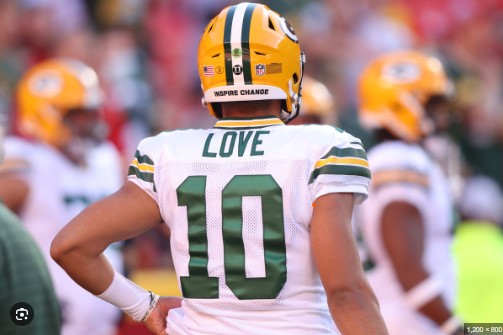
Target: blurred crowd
point(145, 55)
point(466, 35)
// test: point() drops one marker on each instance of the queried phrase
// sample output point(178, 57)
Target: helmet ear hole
point(271, 25)
point(295, 78)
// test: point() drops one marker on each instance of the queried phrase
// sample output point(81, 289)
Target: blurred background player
point(407, 221)
point(441, 143)
point(19, 256)
point(318, 104)
point(478, 250)
point(58, 165)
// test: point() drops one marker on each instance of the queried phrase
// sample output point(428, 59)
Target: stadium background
point(145, 55)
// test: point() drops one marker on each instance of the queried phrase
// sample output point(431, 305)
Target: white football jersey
point(405, 173)
point(59, 190)
point(238, 201)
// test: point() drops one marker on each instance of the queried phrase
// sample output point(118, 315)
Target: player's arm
point(403, 237)
point(79, 246)
point(14, 189)
point(352, 302)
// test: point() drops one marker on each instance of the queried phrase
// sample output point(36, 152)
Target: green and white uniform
point(403, 172)
point(59, 190)
point(238, 200)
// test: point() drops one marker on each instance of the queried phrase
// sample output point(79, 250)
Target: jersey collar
point(248, 122)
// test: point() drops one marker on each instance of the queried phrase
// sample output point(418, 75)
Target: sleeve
point(401, 174)
point(342, 168)
point(393, 192)
point(404, 177)
point(142, 168)
point(18, 154)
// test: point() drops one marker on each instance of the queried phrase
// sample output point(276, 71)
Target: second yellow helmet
point(48, 91)
point(394, 89)
point(316, 98)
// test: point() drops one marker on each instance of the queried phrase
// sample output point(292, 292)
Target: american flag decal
point(208, 70)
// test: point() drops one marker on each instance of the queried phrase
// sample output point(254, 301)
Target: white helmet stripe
point(236, 47)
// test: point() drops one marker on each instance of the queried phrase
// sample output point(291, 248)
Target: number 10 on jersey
point(198, 284)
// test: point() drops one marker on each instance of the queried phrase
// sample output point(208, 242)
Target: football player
point(18, 253)
point(58, 165)
point(259, 213)
point(406, 223)
point(318, 105)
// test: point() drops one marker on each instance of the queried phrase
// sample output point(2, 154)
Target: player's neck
point(254, 109)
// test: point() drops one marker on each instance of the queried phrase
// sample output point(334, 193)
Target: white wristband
point(450, 326)
point(423, 292)
point(130, 298)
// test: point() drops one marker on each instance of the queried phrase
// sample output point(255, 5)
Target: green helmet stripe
point(245, 42)
point(227, 45)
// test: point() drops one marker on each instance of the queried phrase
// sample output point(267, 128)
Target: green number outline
point(199, 285)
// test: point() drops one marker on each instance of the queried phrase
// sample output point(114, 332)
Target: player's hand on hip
point(156, 322)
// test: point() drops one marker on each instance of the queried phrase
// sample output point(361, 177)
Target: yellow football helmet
point(48, 92)
point(394, 89)
point(249, 52)
point(316, 99)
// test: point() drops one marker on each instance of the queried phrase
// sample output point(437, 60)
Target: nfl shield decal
point(260, 69)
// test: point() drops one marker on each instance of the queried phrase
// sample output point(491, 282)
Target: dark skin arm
point(351, 301)
point(13, 191)
point(403, 236)
point(79, 246)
